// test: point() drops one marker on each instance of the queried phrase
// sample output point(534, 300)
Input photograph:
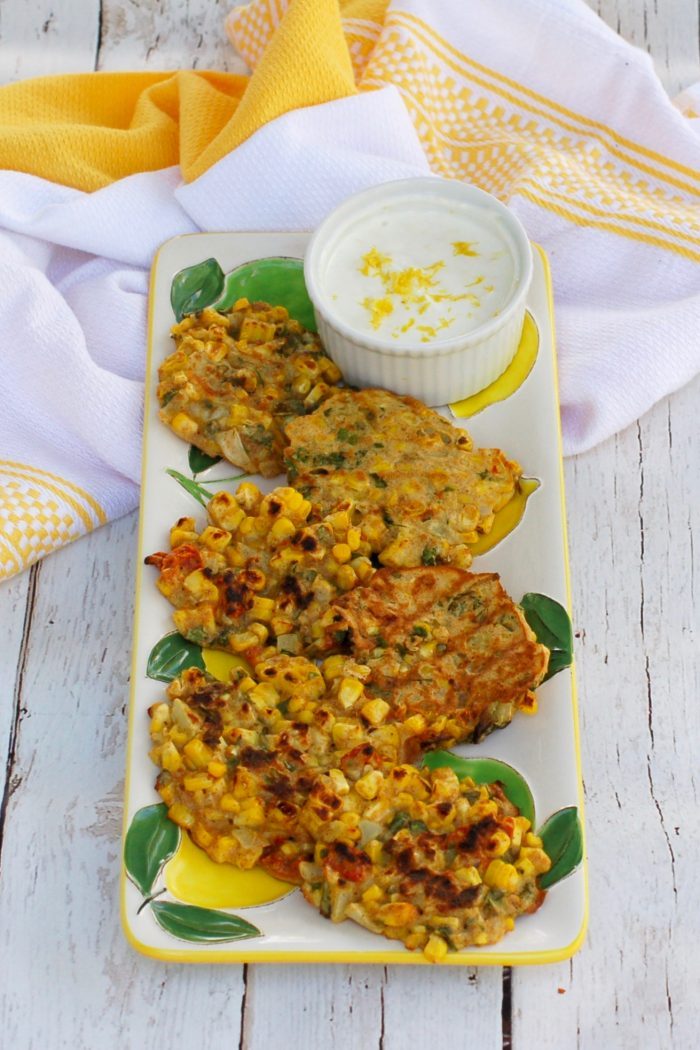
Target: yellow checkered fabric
point(39, 512)
point(481, 126)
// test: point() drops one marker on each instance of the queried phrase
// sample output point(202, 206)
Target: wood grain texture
point(186, 35)
point(42, 37)
point(668, 30)
point(633, 515)
point(61, 856)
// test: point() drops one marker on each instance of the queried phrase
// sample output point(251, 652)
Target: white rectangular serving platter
point(533, 557)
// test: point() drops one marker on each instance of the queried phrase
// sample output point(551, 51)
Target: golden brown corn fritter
point(259, 574)
point(418, 490)
point(235, 378)
point(441, 644)
point(440, 864)
point(240, 762)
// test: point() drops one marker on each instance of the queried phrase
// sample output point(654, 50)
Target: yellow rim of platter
point(242, 955)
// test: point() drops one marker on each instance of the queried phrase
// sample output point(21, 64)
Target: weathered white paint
point(69, 979)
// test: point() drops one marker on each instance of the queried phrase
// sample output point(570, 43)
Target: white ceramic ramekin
point(444, 370)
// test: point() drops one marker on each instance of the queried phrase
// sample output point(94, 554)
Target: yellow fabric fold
point(88, 130)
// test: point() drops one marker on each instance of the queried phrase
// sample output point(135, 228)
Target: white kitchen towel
point(539, 102)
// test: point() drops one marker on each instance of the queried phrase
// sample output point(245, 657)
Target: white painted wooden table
point(68, 977)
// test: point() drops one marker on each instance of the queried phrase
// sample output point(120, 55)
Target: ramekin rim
point(441, 347)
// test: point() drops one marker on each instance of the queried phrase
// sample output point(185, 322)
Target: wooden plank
point(313, 1007)
point(667, 29)
point(634, 514)
point(153, 35)
point(43, 37)
point(461, 1008)
point(16, 606)
point(74, 981)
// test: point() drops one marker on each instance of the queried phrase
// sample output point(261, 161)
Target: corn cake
point(417, 488)
point(441, 644)
point(235, 378)
point(258, 574)
point(239, 759)
point(440, 864)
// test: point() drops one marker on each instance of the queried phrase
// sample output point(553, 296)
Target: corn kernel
point(229, 803)
point(200, 587)
point(170, 758)
point(350, 691)
point(353, 538)
point(337, 779)
point(436, 948)
point(283, 529)
point(242, 641)
point(341, 552)
point(247, 526)
point(400, 913)
point(415, 724)
point(363, 569)
point(181, 815)
point(332, 667)
point(262, 608)
point(373, 894)
point(498, 844)
point(347, 734)
point(346, 577)
point(215, 539)
point(238, 414)
point(373, 850)
point(501, 876)
point(197, 753)
point(525, 866)
point(197, 782)
point(375, 711)
point(216, 768)
point(248, 496)
point(340, 521)
point(184, 426)
point(370, 784)
point(202, 837)
point(252, 814)
point(331, 370)
point(264, 695)
point(468, 876)
point(185, 525)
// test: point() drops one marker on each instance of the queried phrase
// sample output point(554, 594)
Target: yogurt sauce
point(422, 272)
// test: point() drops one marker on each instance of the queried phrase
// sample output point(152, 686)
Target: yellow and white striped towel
point(533, 100)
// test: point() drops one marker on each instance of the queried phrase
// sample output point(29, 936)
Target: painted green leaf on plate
point(204, 925)
point(150, 841)
point(171, 656)
point(199, 461)
point(562, 839)
point(550, 622)
point(277, 280)
point(486, 771)
point(196, 287)
point(190, 486)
